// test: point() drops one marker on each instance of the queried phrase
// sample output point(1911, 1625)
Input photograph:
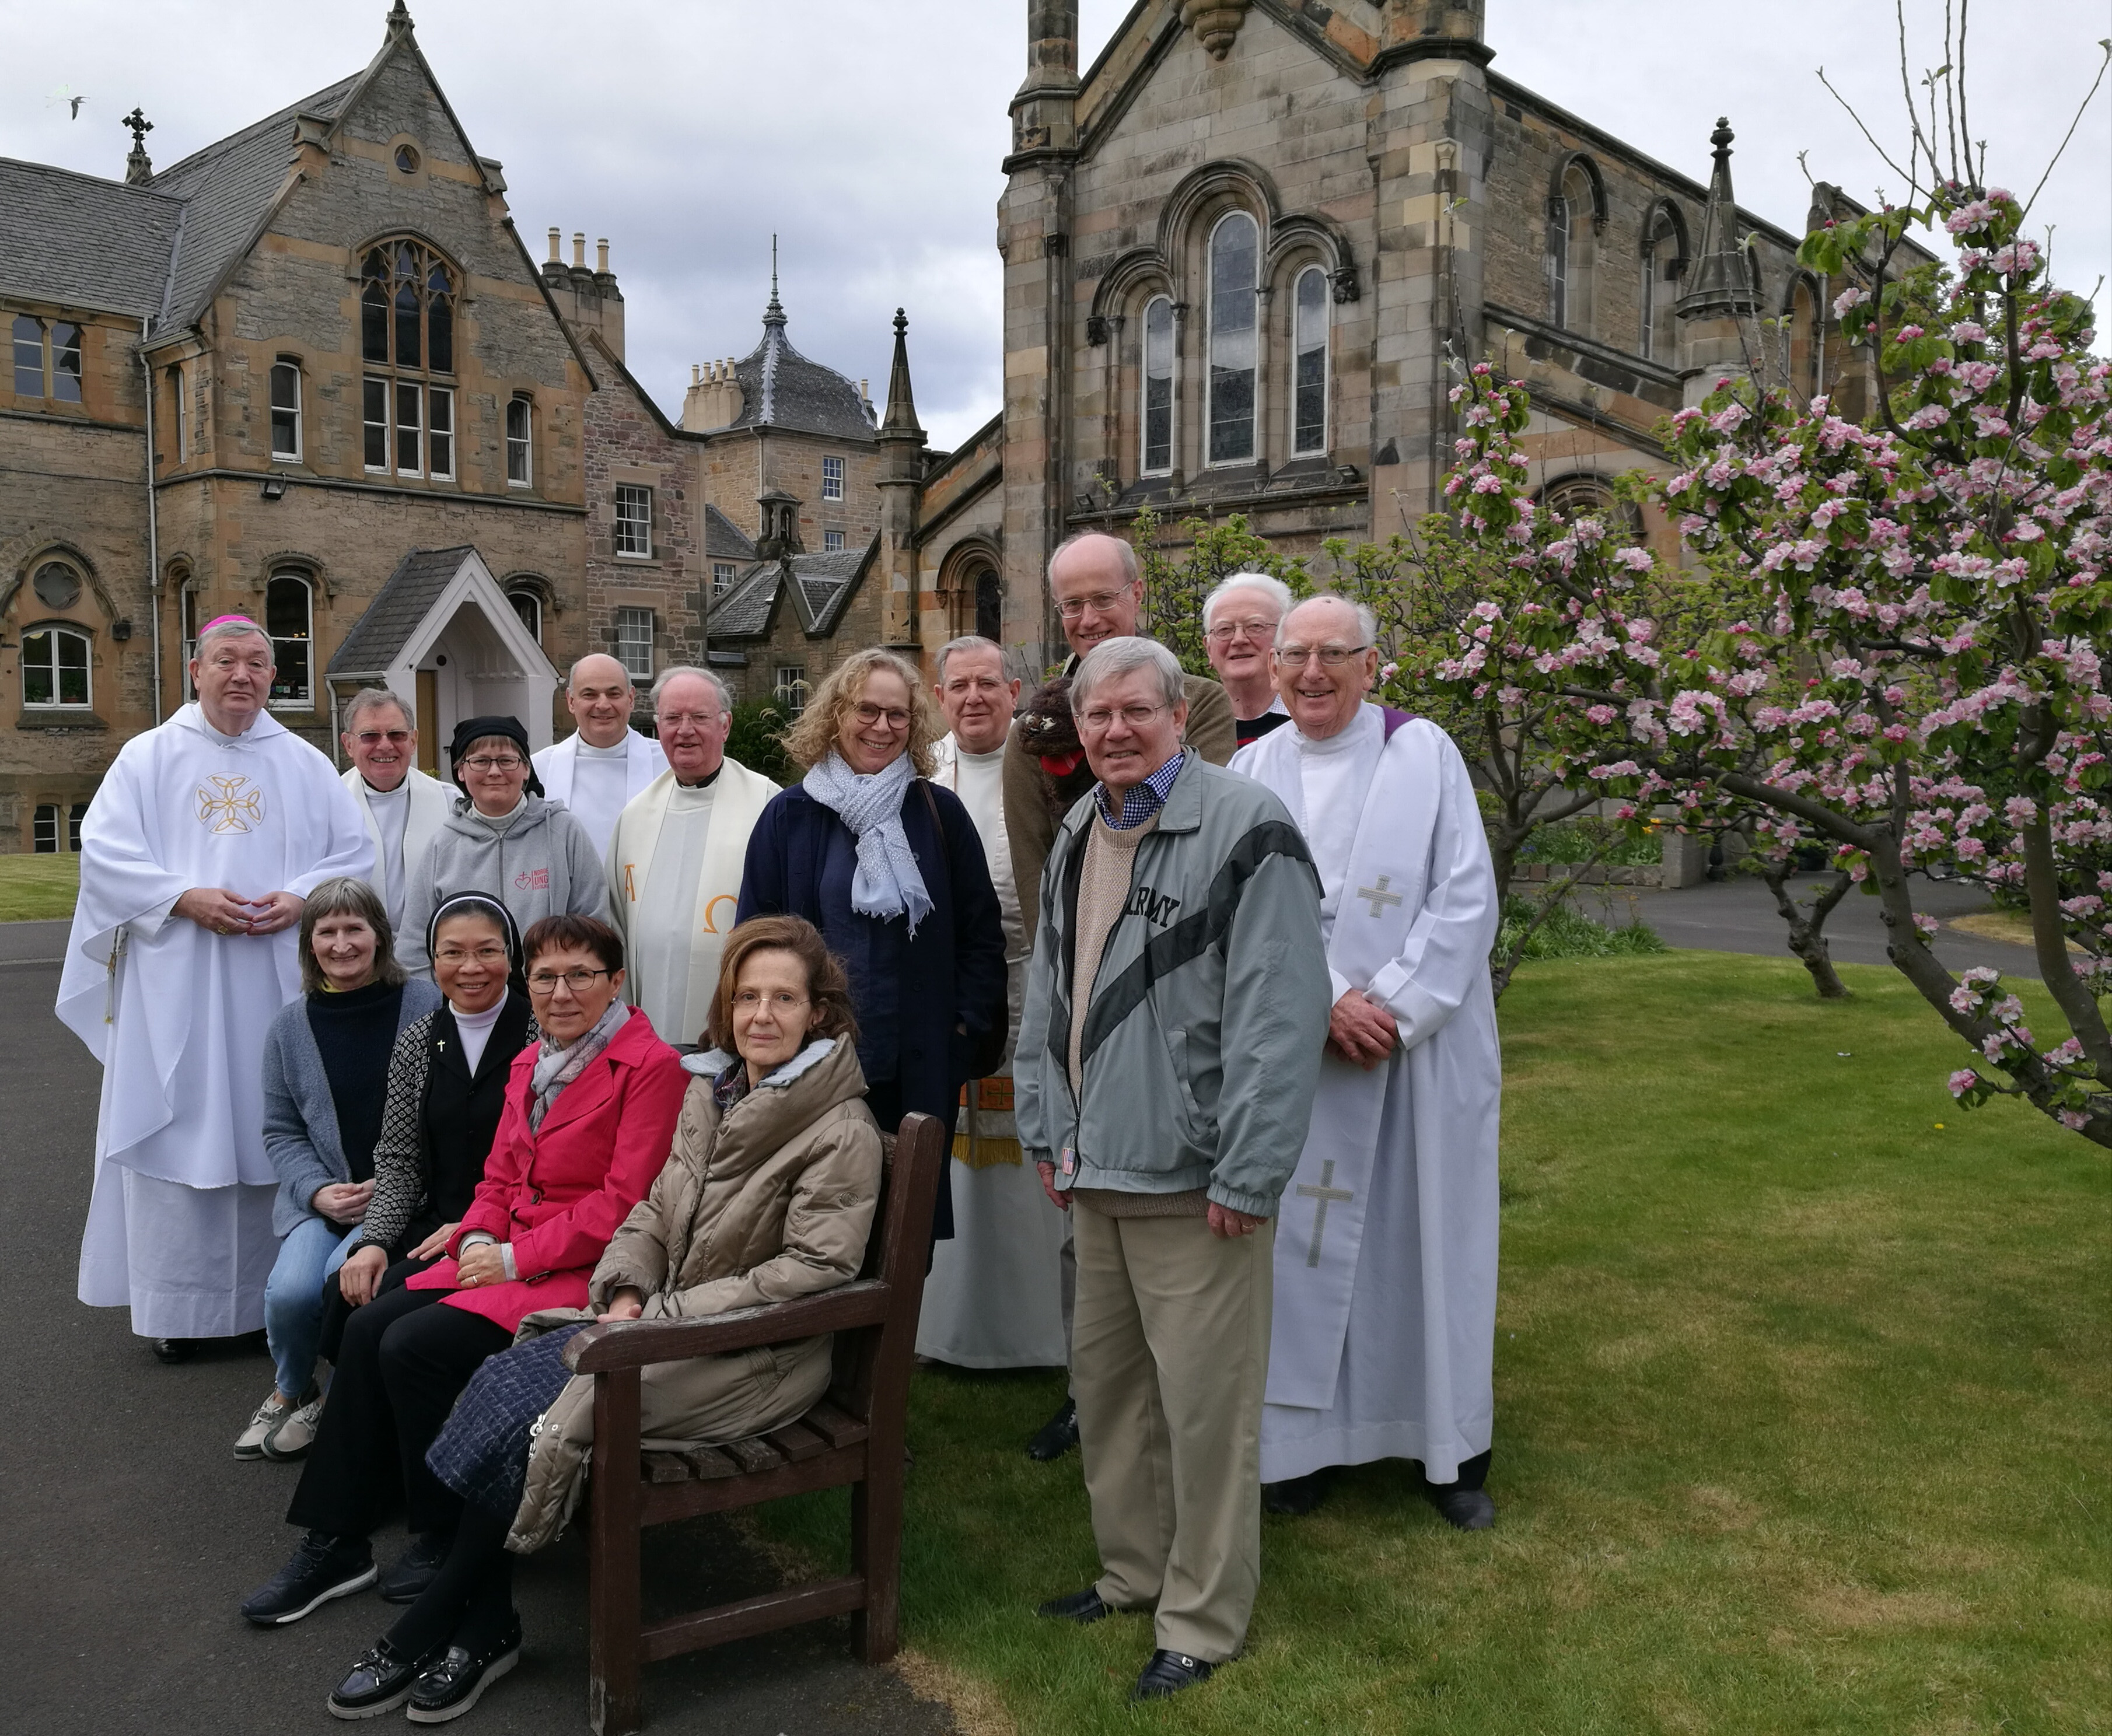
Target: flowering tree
point(1888, 639)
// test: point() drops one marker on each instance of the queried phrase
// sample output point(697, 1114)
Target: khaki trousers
point(1171, 1357)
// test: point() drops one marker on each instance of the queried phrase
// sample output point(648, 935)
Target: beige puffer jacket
point(773, 1202)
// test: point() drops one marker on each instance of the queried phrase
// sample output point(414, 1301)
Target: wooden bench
point(856, 1435)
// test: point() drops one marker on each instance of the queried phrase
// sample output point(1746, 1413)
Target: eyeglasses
point(1260, 631)
point(1330, 657)
point(490, 955)
point(1136, 716)
point(668, 721)
point(545, 982)
point(870, 715)
point(375, 738)
point(485, 762)
point(1099, 602)
point(783, 1001)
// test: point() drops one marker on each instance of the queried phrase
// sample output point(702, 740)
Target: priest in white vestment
point(196, 852)
point(1384, 1335)
point(675, 861)
point(994, 1297)
point(604, 765)
point(404, 809)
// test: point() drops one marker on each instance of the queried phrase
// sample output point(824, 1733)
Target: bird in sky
point(64, 94)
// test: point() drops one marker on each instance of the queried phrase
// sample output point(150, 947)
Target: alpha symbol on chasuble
point(1324, 1193)
point(229, 804)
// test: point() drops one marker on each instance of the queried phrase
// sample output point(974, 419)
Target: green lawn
point(1802, 1417)
point(34, 888)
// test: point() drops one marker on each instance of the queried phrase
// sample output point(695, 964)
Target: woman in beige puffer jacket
point(771, 1199)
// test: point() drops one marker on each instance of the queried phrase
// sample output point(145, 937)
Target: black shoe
point(1298, 1496)
point(1059, 1435)
point(455, 1684)
point(323, 1567)
point(173, 1350)
point(1082, 1607)
point(1167, 1673)
point(416, 1568)
point(379, 1682)
point(1468, 1509)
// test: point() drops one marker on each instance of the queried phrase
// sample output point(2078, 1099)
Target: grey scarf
point(557, 1068)
point(885, 882)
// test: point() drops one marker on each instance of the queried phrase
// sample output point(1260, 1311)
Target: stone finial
point(1721, 283)
point(901, 417)
point(399, 20)
point(1215, 22)
point(138, 167)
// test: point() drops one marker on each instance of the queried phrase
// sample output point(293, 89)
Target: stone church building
point(312, 374)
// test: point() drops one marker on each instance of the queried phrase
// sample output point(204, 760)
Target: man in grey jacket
point(1176, 1002)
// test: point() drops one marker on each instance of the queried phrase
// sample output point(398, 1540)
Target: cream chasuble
point(675, 865)
point(1384, 1328)
point(994, 1298)
point(179, 1221)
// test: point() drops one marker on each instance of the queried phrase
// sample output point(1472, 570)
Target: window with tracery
point(407, 334)
point(1235, 285)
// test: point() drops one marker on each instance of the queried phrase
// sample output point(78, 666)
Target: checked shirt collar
point(1141, 801)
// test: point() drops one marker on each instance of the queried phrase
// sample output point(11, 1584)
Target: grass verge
point(1802, 1416)
point(36, 888)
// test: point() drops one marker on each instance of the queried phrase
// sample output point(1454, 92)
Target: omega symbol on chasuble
point(229, 804)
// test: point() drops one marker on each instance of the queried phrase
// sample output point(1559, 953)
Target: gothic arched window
point(407, 333)
point(1234, 282)
point(1572, 246)
point(1308, 338)
point(1155, 413)
point(1660, 286)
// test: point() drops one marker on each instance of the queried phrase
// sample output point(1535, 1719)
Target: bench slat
point(707, 1462)
point(834, 1426)
point(754, 1454)
point(797, 1442)
point(663, 1467)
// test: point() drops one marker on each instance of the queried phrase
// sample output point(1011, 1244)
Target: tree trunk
point(1807, 924)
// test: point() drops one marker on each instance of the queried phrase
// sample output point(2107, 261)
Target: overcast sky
point(868, 132)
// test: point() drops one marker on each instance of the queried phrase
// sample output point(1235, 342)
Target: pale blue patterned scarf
point(886, 883)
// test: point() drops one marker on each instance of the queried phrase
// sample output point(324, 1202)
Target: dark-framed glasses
point(371, 738)
point(545, 982)
point(1330, 657)
point(869, 714)
point(488, 762)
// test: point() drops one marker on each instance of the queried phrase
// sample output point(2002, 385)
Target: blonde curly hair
point(816, 729)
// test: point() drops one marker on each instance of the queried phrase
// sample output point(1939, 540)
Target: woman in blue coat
point(888, 866)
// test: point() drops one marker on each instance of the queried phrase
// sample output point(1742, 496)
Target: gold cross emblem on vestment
point(232, 805)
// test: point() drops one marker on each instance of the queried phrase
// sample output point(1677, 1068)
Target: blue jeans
point(308, 1258)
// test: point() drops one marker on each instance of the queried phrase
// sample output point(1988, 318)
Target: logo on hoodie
point(532, 879)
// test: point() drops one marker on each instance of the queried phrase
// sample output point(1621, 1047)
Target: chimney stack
point(579, 250)
point(554, 259)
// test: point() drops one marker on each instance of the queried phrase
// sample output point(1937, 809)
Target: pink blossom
point(1962, 1081)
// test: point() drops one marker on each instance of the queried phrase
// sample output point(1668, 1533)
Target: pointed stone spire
point(399, 20)
point(901, 418)
point(1721, 283)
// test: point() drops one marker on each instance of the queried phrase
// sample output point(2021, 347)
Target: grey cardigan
point(300, 1118)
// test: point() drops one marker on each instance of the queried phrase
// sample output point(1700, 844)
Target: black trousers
point(470, 1602)
point(403, 1362)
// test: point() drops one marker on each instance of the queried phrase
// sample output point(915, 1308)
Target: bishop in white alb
point(1385, 1248)
point(180, 1222)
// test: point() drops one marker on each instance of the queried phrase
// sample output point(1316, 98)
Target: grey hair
point(240, 627)
point(1275, 589)
point(1111, 659)
point(660, 686)
point(1132, 568)
point(969, 642)
point(372, 699)
point(1367, 624)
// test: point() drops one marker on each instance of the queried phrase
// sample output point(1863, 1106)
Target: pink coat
point(558, 1193)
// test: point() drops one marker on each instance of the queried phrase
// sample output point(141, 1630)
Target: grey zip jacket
point(1203, 1030)
point(543, 864)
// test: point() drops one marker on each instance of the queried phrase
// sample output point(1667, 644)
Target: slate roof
point(782, 388)
point(822, 586)
point(724, 540)
point(379, 635)
point(83, 241)
point(155, 251)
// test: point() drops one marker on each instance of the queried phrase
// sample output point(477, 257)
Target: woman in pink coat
point(590, 1118)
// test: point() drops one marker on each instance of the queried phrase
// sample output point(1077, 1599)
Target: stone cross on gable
point(1378, 896)
point(1326, 1192)
point(141, 127)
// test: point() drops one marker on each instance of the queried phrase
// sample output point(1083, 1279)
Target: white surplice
point(596, 802)
point(674, 878)
point(179, 1221)
point(993, 1296)
point(1384, 1332)
point(421, 807)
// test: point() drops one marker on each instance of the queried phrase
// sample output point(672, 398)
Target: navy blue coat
point(911, 995)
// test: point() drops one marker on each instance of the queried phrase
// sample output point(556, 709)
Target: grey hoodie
point(538, 861)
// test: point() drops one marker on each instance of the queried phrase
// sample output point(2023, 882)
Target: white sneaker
point(293, 1435)
point(250, 1444)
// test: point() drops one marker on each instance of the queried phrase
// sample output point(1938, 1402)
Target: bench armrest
point(603, 1349)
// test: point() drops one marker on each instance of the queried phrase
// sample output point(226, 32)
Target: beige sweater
point(1104, 879)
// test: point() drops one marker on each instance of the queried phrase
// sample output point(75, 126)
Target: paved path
point(128, 1533)
point(1739, 915)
